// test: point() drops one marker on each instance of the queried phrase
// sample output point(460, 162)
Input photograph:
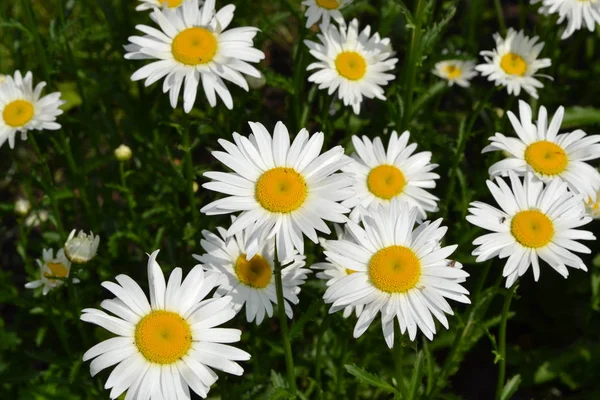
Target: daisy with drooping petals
point(324, 11)
point(540, 149)
point(400, 271)
point(282, 190)
point(22, 109)
point(152, 4)
point(514, 63)
point(332, 271)
point(353, 63)
point(50, 269)
point(250, 282)
point(456, 71)
point(169, 345)
point(193, 46)
point(578, 13)
point(535, 221)
point(381, 176)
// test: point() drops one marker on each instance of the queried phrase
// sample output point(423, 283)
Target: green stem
point(41, 49)
point(322, 329)
point(414, 54)
point(124, 185)
point(502, 342)
point(74, 300)
point(500, 16)
point(430, 366)
point(298, 80)
point(285, 338)
point(398, 358)
point(415, 381)
point(189, 174)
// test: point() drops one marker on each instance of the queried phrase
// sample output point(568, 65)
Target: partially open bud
point(81, 248)
point(123, 153)
point(22, 207)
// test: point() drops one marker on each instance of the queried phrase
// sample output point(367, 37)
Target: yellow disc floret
point(513, 64)
point(351, 65)
point(163, 337)
point(546, 157)
point(394, 269)
point(172, 3)
point(18, 113)
point(328, 4)
point(56, 270)
point(452, 71)
point(281, 190)
point(194, 46)
point(532, 228)
point(386, 181)
point(255, 272)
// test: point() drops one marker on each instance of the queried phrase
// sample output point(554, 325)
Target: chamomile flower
point(324, 11)
point(540, 149)
point(169, 345)
point(194, 47)
point(22, 109)
point(250, 282)
point(381, 176)
point(167, 4)
point(282, 190)
point(81, 248)
point(401, 272)
point(456, 71)
point(332, 271)
point(593, 207)
point(353, 63)
point(51, 268)
point(515, 63)
point(578, 13)
point(534, 221)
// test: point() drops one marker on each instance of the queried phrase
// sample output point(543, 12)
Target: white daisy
point(578, 13)
point(401, 271)
point(535, 220)
point(50, 269)
point(169, 345)
point(81, 248)
point(283, 191)
point(22, 109)
point(332, 271)
point(353, 63)
point(593, 207)
point(194, 46)
point(324, 11)
point(514, 63)
point(540, 149)
point(381, 176)
point(151, 4)
point(456, 71)
point(250, 282)
point(3, 79)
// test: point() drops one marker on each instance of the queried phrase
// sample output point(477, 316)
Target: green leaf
point(68, 93)
point(369, 378)
point(510, 387)
point(581, 116)
point(309, 315)
point(404, 10)
point(433, 34)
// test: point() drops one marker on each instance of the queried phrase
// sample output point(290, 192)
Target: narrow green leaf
point(581, 116)
point(510, 387)
point(433, 34)
point(312, 311)
point(369, 378)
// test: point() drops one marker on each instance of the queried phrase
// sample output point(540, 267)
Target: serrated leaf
point(404, 10)
point(432, 35)
point(369, 378)
point(510, 387)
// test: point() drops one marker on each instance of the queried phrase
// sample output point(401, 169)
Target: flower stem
point(285, 339)
point(502, 342)
point(398, 358)
point(318, 356)
point(189, 173)
point(500, 16)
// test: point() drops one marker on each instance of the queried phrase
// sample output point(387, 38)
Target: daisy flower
point(535, 221)
point(331, 271)
point(456, 71)
point(401, 272)
point(549, 155)
point(250, 282)
point(169, 345)
point(578, 13)
point(593, 207)
point(22, 207)
point(81, 248)
point(282, 190)
point(194, 46)
point(324, 11)
point(167, 4)
point(381, 176)
point(51, 268)
point(22, 109)
point(514, 63)
point(353, 63)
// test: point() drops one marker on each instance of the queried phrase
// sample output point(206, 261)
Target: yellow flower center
point(194, 46)
point(513, 64)
point(18, 113)
point(163, 337)
point(394, 269)
point(532, 228)
point(255, 272)
point(281, 190)
point(328, 4)
point(57, 270)
point(351, 65)
point(546, 157)
point(452, 71)
point(386, 181)
point(349, 271)
point(172, 3)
